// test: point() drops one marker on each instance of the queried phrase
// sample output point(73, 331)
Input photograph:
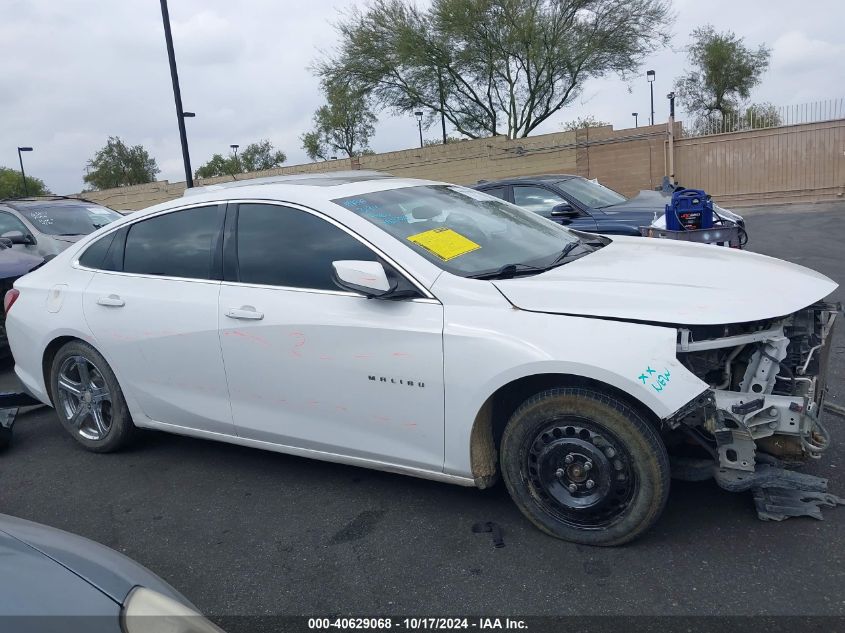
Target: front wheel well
point(47, 360)
point(493, 416)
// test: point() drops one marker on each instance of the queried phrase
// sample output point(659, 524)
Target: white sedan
point(432, 330)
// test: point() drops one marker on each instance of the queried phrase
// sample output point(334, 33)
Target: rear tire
point(88, 399)
point(585, 467)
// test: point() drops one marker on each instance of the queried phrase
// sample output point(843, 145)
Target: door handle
point(245, 312)
point(111, 301)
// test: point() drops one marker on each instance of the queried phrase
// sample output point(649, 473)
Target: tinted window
point(499, 192)
point(178, 244)
point(95, 254)
point(280, 246)
point(537, 199)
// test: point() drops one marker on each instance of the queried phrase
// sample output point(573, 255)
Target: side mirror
point(368, 278)
point(16, 237)
point(564, 210)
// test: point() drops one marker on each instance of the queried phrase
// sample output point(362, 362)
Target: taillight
point(10, 298)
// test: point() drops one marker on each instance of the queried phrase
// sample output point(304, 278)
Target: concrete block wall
point(798, 163)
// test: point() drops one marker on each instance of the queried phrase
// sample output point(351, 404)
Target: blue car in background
point(587, 205)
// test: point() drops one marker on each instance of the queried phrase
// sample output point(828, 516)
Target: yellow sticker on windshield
point(445, 243)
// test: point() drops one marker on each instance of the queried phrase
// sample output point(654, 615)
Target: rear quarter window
point(95, 255)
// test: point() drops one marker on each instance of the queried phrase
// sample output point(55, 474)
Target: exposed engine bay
point(761, 417)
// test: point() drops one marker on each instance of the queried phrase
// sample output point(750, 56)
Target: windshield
point(66, 219)
point(461, 230)
point(590, 194)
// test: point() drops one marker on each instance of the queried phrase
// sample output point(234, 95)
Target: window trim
point(427, 297)
point(230, 264)
point(216, 255)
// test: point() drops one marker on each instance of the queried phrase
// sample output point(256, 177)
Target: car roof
point(298, 188)
point(538, 178)
point(46, 201)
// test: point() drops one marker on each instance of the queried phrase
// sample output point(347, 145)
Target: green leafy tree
point(219, 165)
point(491, 66)
point(256, 156)
point(118, 165)
point(760, 115)
point(583, 122)
point(429, 142)
point(11, 184)
point(261, 155)
point(722, 74)
point(344, 125)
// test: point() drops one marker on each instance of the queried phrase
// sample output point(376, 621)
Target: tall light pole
point(234, 147)
point(634, 114)
point(419, 116)
point(650, 77)
point(23, 174)
point(177, 95)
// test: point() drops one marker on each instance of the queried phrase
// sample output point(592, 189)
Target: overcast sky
point(76, 71)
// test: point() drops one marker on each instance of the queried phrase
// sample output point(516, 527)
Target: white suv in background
point(431, 330)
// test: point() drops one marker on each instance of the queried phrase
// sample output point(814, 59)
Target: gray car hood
point(107, 570)
point(667, 281)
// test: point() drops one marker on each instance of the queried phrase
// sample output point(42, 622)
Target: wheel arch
point(50, 352)
point(493, 416)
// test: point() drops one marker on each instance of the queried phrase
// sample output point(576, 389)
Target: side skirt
point(311, 454)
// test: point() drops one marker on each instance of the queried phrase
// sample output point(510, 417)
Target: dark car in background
point(54, 581)
point(13, 265)
point(586, 205)
point(46, 225)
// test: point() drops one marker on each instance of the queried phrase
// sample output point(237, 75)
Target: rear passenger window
point(280, 246)
point(177, 244)
point(95, 255)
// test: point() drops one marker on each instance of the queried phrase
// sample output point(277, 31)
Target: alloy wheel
point(85, 398)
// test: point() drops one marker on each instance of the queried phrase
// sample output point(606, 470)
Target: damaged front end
point(761, 416)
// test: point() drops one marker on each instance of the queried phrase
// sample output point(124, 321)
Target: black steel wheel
point(585, 467)
point(581, 473)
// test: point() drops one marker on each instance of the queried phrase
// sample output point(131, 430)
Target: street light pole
point(634, 114)
point(419, 116)
point(235, 147)
point(23, 174)
point(650, 78)
point(177, 95)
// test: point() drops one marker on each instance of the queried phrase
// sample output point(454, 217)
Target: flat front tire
point(88, 399)
point(585, 467)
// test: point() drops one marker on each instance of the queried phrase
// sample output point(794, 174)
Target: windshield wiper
point(509, 270)
point(566, 250)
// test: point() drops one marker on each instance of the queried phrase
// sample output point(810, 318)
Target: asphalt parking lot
point(241, 531)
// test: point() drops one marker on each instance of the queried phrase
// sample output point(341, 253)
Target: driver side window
point(537, 199)
point(282, 246)
point(8, 223)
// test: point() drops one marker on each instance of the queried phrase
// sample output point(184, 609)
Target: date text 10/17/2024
point(416, 624)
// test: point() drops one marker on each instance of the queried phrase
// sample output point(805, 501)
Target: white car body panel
point(299, 381)
point(164, 342)
point(488, 344)
point(324, 370)
point(667, 281)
